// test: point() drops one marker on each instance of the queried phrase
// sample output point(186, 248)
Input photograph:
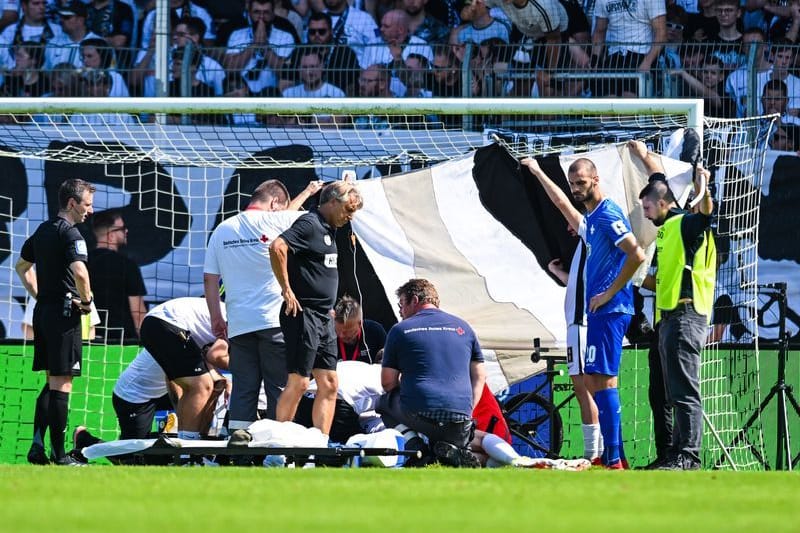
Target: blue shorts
point(604, 342)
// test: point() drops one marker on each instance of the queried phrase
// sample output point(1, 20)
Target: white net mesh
point(178, 181)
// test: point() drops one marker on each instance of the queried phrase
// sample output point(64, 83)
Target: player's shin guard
point(608, 407)
point(58, 410)
point(40, 416)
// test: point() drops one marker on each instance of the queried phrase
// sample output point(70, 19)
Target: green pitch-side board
point(90, 404)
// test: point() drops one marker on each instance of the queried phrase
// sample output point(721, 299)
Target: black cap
point(74, 8)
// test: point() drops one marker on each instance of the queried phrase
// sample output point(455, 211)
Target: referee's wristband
point(87, 303)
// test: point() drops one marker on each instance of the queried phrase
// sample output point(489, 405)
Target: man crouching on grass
point(433, 375)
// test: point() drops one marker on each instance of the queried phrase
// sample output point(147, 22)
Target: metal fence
point(718, 73)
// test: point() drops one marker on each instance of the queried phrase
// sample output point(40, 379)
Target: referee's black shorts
point(310, 341)
point(56, 340)
point(173, 348)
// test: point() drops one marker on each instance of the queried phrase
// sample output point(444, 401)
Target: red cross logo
point(264, 238)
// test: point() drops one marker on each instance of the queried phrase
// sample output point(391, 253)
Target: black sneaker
point(68, 460)
point(451, 455)
point(680, 462)
point(37, 456)
point(655, 464)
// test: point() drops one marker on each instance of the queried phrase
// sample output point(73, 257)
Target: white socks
point(498, 449)
point(592, 441)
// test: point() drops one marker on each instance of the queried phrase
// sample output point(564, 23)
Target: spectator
point(433, 375)
point(183, 9)
point(703, 25)
point(64, 81)
point(352, 27)
point(728, 41)
point(711, 87)
point(636, 34)
point(313, 84)
point(66, 47)
point(374, 82)
point(259, 50)
point(395, 42)
point(112, 20)
point(783, 56)
point(61, 285)
point(676, 24)
point(423, 25)
point(339, 62)
point(416, 77)
point(359, 339)
point(96, 83)
point(738, 81)
point(27, 78)
point(393, 48)
point(774, 100)
point(197, 88)
point(305, 315)
point(10, 13)
point(785, 138)
point(118, 285)
point(252, 298)
point(286, 10)
point(446, 73)
point(186, 31)
point(96, 54)
point(543, 21)
point(32, 27)
point(480, 26)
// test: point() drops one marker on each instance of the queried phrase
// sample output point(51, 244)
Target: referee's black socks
point(58, 411)
point(40, 417)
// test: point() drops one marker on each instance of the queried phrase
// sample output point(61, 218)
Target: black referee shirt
point(53, 247)
point(312, 262)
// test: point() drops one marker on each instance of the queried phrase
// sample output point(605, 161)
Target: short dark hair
point(270, 189)
point(657, 190)
point(317, 16)
point(195, 25)
point(421, 288)
point(105, 219)
point(346, 308)
point(73, 188)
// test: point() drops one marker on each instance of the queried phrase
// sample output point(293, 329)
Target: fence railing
point(486, 70)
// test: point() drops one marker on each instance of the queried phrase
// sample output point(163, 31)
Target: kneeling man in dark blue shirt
point(433, 375)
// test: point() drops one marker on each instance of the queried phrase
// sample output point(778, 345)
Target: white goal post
point(186, 175)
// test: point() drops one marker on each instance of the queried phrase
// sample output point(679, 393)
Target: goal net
point(177, 167)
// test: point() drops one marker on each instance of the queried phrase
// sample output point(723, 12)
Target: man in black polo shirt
point(304, 260)
point(62, 291)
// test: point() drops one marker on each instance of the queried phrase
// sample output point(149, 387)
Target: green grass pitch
point(174, 499)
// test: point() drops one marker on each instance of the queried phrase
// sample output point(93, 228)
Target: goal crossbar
point(693, 108)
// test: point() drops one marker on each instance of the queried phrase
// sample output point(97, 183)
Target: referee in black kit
point(61, 288)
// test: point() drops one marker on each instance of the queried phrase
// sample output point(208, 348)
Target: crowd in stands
point(411, 48)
